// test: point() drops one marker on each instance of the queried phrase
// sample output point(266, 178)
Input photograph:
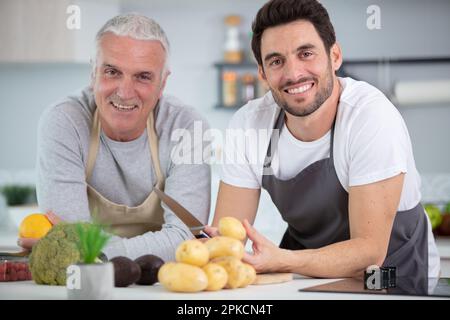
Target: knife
point(188, 218)
point(4, 255)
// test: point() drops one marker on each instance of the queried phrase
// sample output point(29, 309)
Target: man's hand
point(28, 243)
point(266, 257)
point(212, 231)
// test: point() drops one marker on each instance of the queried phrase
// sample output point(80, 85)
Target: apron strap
point(279, 122)
point(332, 138)
point(154, 147)
point(94, 144)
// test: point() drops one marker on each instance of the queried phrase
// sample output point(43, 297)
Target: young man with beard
point(341, 173)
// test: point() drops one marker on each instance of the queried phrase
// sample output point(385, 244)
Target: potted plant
point(92, 279)
point(21, 201)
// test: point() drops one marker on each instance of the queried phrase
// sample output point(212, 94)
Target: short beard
point(319, 100)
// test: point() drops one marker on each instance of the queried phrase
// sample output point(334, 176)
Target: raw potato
point(217, 276)
point(232, 227)
point(235, 269)
point(192, 252)
point(224, 246)
point(182, 277)
point(250, 275)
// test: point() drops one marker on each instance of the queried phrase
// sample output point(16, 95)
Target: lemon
point(35, 225)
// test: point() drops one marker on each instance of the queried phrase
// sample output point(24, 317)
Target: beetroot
point(150, 265)
point(126, 271)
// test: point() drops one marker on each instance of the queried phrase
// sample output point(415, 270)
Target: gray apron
point(315, 206)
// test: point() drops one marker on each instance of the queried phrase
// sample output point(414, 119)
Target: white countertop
point(283, 291)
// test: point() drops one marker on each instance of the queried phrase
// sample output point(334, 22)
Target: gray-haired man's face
point(128, 82)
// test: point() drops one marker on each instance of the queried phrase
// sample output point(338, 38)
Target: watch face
point(414, 286)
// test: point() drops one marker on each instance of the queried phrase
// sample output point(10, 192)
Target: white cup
point(90, 281)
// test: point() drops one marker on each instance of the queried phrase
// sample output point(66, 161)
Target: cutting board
point(269, 278)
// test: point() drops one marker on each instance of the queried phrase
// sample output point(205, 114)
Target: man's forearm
point(161, 243)
point(342, 259)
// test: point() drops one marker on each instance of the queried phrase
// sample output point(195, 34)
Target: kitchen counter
point(282, 291)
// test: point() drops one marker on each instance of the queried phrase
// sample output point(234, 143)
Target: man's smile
point(299, 88)
point(124, 108)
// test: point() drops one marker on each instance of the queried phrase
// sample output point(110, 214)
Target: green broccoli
point(54, 253)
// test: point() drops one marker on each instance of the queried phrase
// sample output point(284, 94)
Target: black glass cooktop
point(436, 287)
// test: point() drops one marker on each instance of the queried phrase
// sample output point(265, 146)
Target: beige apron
point(126, 221)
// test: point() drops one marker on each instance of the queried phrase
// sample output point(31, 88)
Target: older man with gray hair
point(102, 151)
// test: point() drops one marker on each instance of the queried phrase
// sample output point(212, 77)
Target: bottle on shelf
point(230, 89)
point(233, 48)
point(248, 88)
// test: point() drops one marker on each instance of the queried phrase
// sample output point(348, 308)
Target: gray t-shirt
point(123, 171)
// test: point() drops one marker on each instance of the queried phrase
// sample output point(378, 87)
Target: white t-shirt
point(371, 143)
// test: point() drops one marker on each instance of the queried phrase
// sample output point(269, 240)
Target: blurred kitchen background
point(42, 61)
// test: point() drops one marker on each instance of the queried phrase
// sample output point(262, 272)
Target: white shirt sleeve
point(378, 144)
point(237, 167)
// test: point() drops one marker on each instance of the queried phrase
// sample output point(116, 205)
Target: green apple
point(434, 214)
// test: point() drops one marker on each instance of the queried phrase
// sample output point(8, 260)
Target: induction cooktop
point(412, 286)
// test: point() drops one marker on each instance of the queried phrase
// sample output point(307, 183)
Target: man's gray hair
point(137, 27)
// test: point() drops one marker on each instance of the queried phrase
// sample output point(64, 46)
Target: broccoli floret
point(54, 253)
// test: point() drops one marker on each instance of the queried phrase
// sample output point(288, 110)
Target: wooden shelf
point(391, 61)
point(414, 60)
point(232, 108)
point(244, 67)
point(244, 64)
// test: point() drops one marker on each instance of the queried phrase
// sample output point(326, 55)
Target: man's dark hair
point(279, 12)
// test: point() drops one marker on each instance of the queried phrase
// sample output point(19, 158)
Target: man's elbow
point(377, 254)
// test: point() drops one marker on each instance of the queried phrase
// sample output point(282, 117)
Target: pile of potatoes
point(210, 265)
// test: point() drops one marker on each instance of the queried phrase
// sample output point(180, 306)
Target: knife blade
point(195, 226)
point(14, 254)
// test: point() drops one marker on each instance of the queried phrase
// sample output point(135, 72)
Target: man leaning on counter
point(338, 165)
point(103, 150)
point(341, 173)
